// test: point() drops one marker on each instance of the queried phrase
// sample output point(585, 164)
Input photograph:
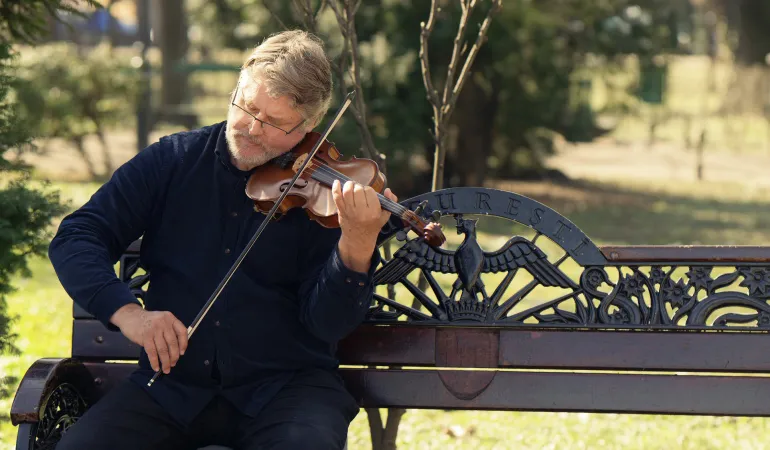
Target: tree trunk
point(753, 31)
point(108, 164)
point(77, 141)
point(112, 28)
point(474, 117)
point(699, 156)
point(174, 43)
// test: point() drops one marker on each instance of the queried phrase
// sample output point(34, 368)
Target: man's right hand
point(162, 335)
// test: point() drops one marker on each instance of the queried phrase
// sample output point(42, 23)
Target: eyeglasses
point(237, 88)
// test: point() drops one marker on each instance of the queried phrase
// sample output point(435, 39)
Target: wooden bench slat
point(547, 349)
point(571, 392)
point(636, 350)
point(641, 254)
point(528, 391)
point(598, 350)
point(389, 345)
point(108, 375)
point(91, 340)
point(80, 313)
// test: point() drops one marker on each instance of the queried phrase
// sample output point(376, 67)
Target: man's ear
point(312, 124)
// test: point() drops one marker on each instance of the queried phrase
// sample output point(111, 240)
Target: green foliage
point(527, 85)
point(13, 131)
point(69, 93)
point(26, 20)
point(25, 212)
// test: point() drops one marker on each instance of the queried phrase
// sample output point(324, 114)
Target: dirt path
point(608, 160)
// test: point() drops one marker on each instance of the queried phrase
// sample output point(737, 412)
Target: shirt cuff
point(110, 299)
point(352, 278)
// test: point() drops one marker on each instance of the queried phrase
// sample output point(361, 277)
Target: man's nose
point(256, 129)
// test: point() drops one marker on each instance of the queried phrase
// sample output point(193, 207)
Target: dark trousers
point(300, 416)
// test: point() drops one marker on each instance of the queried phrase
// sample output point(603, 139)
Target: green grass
point(620, 213)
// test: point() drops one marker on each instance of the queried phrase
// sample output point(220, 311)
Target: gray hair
point(294, 64)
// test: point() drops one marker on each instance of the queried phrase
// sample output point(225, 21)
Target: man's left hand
point(361, 218)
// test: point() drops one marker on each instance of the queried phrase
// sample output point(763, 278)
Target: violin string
point(328, 175)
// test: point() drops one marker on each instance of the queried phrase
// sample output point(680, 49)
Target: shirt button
point(347, 280)
point(206, 362)
point(234, 214)
point(361, 283)
point(216, 323)
point(227, 251)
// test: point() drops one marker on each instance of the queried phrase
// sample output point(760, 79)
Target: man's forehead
point(252, 94)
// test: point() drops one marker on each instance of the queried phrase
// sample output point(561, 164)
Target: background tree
point(174, 43)
point(526, 88)
point(748, 21)
point(25, 211)
point(72, 93)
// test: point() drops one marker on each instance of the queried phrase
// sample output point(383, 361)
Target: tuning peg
point(421, 207)
point(435, 216)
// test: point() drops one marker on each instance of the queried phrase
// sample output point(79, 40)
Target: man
point(260, 370)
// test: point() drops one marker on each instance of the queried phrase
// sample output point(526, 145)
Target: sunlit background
point(643, 122)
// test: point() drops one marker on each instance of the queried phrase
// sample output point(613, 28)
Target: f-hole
point(297, 185)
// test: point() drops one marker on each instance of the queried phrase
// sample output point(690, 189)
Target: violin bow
point(215, 295)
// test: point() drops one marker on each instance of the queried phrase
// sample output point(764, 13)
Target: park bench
point(521, 327)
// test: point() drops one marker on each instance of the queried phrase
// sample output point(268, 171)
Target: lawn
point(620, 212)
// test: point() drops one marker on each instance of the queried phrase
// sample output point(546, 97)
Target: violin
point(312, 190)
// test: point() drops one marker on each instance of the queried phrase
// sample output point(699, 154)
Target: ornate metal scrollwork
point(62, 409)
point(648, 297)
point(130, 266)
point(695, 299)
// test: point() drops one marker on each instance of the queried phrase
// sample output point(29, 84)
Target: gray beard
point(249, 161)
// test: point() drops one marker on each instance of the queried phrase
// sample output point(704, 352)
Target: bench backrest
point(550, 322)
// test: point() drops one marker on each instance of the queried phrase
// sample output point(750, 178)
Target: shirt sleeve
point(333, 298)
point(90, 240)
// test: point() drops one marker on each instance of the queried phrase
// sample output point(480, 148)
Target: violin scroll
point(429, 228)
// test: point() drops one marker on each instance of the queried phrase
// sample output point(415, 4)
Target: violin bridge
point(298, 163)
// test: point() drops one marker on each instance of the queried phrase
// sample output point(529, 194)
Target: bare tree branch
point(355, 8)
point(443, 107)
point(274, 15)
point(458, 45)
point(321, 6)
point(480, 39)
point(346, 20)
point(308, 15)
point(347, 63)
point(425, 30)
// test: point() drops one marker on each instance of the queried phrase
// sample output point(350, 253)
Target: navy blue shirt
point(283, 310)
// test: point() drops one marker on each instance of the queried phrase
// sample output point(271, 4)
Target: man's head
point(284, 86)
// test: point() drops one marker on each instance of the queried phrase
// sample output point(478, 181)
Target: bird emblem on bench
point(469, 261)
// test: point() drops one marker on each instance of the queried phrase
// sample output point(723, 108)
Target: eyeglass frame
point(232, 102)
